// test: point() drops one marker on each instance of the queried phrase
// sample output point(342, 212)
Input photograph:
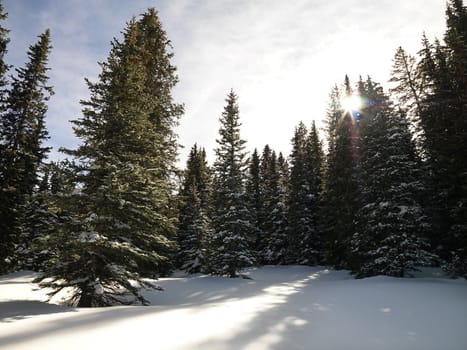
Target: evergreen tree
point(254, 195)
point(305, 185)
point(313, 241)
point(6, 237)
point(194, 222)
point(444, 122)
point(120, 223)
point(408, 90)
point(340, 184)
point(390, 223)
point(40, 220)
point(4, 40)
point(231, 243)
point(22, 132)
point(275, 184)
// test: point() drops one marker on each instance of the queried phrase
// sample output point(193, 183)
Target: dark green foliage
point(305, 240)
point(340, 184)
point(194, 225)
point(4, 40)
point(390, 223)
point(22, 132)
point(443, 121)
point(255, 198)
point(120, 223)
point(275, 182)
point(408, 89)
point(230, 246)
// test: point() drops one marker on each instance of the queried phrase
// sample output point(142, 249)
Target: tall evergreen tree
point(121, 224)
point(22, 132)
point(444, 123)
point(231, 241)
point(390, 223)
point(194, 221)
point(6, 237)
point(408, 90)
point(305, 185)
point(275, 184)
point(271, 212)
point(254, 195)
point(4, 40)
point(340, 184)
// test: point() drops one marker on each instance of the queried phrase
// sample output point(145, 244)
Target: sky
point(280, 57)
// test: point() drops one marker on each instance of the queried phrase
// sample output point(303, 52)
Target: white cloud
point(281, 58)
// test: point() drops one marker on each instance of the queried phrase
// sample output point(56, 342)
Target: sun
point(351, 103)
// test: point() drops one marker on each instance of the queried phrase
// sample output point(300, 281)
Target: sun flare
point(352, 103)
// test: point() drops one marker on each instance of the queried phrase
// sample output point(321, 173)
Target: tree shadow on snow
point(212, 292)
point(20, 309)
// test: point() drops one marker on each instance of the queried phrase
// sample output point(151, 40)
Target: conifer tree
point(340, 187)
point(6, 237)
point(231, 242)
point(444, 123)
point(22, 132)
point(254, 195)
point(121, 221)
point(275, 184)
point(40, 220)
point(390, 223)
point(194, 226)
point(408, 90)
point(4, 40)
point(305, 185)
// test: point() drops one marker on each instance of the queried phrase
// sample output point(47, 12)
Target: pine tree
point(390, 223)
point(340, 187)
point(194, 226)
point(408, 90)
point(444, 123)
point(254, 195)
point(4, 40)
point(120, 224)
point(313, 241)
point(408, 86)
point(40, 220)
point(305, 185)
point(6, 237)
point(275, 202)
point(231, 242)
point(22, 133)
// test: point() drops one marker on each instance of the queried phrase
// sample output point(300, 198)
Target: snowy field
point(291, 307)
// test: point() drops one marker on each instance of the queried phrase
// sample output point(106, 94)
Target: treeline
point(388, 193)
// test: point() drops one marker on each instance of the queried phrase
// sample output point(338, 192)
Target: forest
point(382, 193)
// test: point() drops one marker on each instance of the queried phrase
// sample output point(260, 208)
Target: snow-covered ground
point(287, 307)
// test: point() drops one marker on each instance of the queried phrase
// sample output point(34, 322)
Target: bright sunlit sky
point(281, 57)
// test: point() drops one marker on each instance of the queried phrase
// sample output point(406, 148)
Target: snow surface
point(280, 307)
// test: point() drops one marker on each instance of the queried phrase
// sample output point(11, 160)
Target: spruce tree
point(313, 241)
point(254, 195)
point(340, 180)
point(4, 40)
point(231, 240)
point(120, 224)
point(390, 223)
point(444, 123)
point(275, 184)
point(194, 226)
point(305, 185)
point(22, 133)
point(6, 237)
point(408, 90)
